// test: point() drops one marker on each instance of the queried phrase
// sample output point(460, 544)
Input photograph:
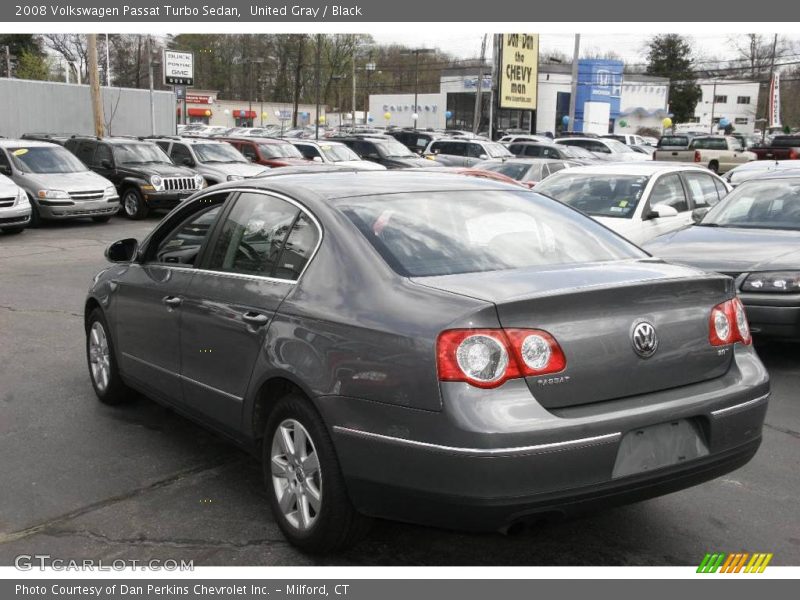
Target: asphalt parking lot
point(83, 480)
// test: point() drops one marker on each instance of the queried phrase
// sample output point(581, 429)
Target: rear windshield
point(785, 142)
point(595, 194)
point(443, 233)
point(674, 140)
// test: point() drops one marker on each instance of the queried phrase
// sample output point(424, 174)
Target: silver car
point(216, 161)
point(15, 210)
point(58, 185)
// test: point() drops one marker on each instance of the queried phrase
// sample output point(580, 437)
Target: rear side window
point(441, 233)
point(300, 245)
point(252, 236)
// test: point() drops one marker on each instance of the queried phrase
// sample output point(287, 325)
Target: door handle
point(172, 301)
point(255, 318)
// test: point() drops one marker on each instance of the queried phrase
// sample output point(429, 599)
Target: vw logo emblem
point(644, 339)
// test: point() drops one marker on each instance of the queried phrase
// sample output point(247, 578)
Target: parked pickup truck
point(718, 153)
point(783, 147)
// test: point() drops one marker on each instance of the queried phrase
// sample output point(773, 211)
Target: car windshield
point(595, 194)
point(518, 171)
point(338, 153)
point(759, 204)
point(45, 159)
point(218, 153)
point(392, 148)
point(139, 154)
point(442, 233)
point(279, 151)
point(496, 150)
point(618, 147)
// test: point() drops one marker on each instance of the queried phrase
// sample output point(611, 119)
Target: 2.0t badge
point(644, 339)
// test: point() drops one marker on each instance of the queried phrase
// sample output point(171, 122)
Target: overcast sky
point(630, 47)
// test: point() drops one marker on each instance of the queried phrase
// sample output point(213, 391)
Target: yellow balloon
point(264, 115)
point(208, 113)
point(387, 115)
point(321, 119)
point(667, 122)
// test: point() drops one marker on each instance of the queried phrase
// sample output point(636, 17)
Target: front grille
point(173, 184)
point(86, 212)
point(88, 195)
point(7, 202)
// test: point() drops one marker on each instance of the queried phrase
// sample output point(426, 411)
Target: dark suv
point(143, 174)
point(385, 151)
point(413, 139)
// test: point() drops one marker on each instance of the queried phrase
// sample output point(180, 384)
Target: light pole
point(251, 62)
point(416, 52)
point(369, 68)
point(150, 64)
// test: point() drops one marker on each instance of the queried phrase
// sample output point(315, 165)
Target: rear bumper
point(485, 465)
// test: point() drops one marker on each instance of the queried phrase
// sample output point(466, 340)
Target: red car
point(269, 152)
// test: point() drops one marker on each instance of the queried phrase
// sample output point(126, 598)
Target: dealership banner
point(775, 101)
point(244, 11)
point(518, 70)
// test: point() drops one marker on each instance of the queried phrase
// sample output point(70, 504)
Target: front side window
point(669, 190)
point(701, 189)
point(183, 244)
point(180, 155)
point(442, 233)
point(251, 239)
point(103, 154)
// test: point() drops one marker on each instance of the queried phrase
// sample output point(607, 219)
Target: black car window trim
point(210, 242)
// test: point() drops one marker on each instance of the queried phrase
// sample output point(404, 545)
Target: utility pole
point(573, 96)
point(94, 85)
point(8, 62)
point(317, 76)
point(353, 80)
point(713, 105)
point(150, 80)
point(108, 64)
point(476, 117)
point(416, 52)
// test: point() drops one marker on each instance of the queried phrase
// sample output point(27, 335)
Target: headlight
point(199, 182)
point(54, 194)
point(774, 281)
point(111, 191)
point(156, 181)
point(22, 198)
point(235, 177)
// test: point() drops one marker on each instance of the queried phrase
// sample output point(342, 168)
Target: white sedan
point(638, 201)
point(605, 148)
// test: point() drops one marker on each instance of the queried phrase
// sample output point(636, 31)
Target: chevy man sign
point(178, 68)
point(519, 60)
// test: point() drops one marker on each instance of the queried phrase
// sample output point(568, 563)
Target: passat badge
point(644, 339)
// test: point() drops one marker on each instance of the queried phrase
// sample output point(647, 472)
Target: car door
point(103, 162)
point(667, 190)
point(252, 264)
point(148, 298)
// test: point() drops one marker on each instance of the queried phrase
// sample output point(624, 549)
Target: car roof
point(10, 142)
point(637, 168)
point(318, 142)
point(780, 174)
point(306, 185)
point(253, 138)
point(530, 160)
point(580, 138)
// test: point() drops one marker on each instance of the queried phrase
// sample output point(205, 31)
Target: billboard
point(598, 81)
point(519, 71)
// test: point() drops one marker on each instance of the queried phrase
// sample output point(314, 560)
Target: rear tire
point(103, 371)
point(304, 482)
point(101, 219)
point(714, 166)
point(133, 204)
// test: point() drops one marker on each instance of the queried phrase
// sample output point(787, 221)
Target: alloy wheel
point(99, 356)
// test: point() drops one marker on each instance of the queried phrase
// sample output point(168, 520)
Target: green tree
point(670, 55)
point(19, 45)
point(32, 66)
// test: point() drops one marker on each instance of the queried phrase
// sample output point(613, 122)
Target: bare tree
point(73, 48)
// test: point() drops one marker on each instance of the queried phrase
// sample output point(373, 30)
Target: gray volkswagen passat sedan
point(428, 347)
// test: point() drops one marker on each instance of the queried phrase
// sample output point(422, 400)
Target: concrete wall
point(51, 107)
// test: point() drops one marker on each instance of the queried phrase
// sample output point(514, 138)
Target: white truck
point(717, 152)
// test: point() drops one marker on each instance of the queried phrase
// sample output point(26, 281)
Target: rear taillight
point(792, 155)
point(728, 324)
point(487, 358)
point(697, 157)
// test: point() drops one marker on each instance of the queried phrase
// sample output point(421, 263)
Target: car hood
point(244, 169)
point(160, 169)
point(729, 250)
point(362, 165)
point(411, 161)
point(68, 182)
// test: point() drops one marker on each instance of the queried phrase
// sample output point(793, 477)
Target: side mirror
point(122, 251)
point(5, 170)
point(317, 159)
point(106, 164)
point(699, 213)
point(484, 157)
point(659, 211)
